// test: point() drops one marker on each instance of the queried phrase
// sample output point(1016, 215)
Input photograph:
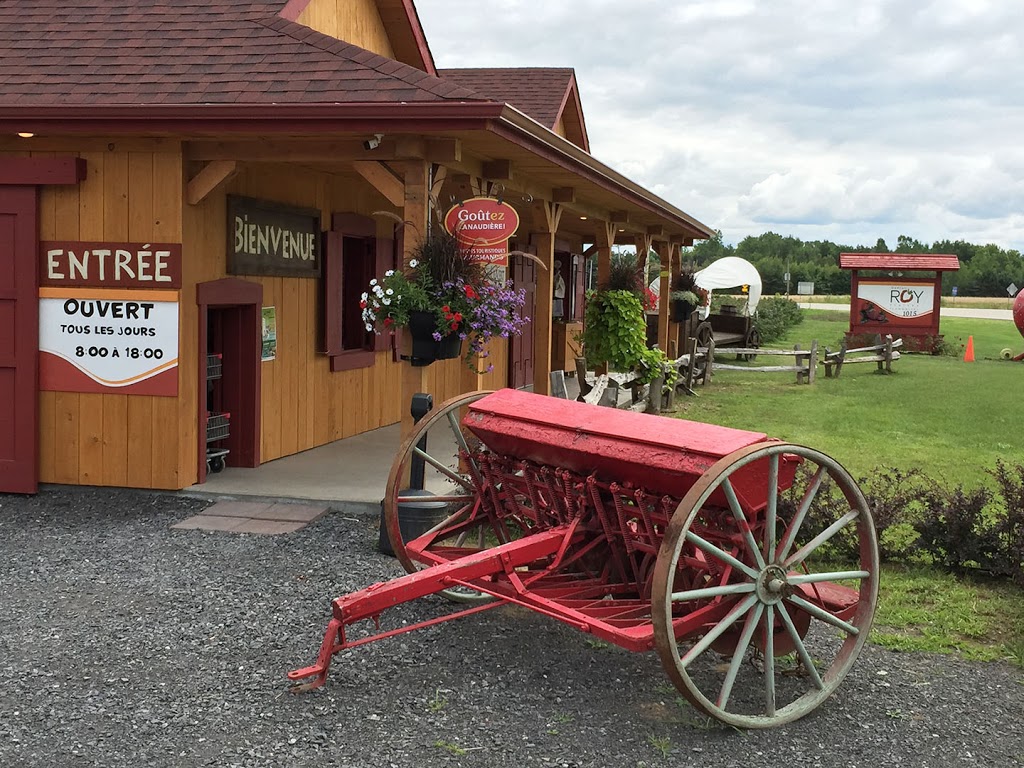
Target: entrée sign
point(483, 226)
point(110, 265)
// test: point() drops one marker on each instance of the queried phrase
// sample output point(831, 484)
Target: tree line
point(985, 270)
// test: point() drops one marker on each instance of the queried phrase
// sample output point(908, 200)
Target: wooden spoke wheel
point(784, 600)
point(431, 490)
point(704, 334)
point(751, 341)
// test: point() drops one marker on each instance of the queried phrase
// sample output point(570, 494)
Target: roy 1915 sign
point(906, 303)
point(267, 238)
point(483, 226)
point(108, 341)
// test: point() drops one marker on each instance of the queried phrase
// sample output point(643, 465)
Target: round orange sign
point(482, 221)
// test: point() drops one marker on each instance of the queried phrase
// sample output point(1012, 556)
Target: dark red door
point(524, 275)
point(19, 341)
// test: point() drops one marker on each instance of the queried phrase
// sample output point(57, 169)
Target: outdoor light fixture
point(583, 218)
point(25, 134)
point(374, 142)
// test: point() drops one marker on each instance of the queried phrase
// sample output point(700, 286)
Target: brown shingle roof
point(55, 52)
point(539, 92)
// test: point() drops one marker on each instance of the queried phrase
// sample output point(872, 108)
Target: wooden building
point(221, 179)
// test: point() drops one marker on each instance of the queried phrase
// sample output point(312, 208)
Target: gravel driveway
point(124, 643)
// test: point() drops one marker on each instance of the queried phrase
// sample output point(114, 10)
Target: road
point(983, 314)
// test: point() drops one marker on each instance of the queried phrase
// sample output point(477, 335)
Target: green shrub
point(775, 315)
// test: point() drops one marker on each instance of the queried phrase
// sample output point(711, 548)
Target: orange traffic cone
point(969, 352)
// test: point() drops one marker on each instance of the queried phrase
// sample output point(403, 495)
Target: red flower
point(455, 326)
point(388, 321)
point(458, 317)
point(470, 292)
point(446, 308)
point(362, 305)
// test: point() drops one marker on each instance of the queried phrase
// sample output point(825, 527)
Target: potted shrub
point(686, 295)
point(443, 299)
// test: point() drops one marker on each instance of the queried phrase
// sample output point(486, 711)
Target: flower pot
point(425, 349)
point(681, 310)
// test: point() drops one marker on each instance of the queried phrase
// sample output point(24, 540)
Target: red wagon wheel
point(775, 598)
point(447, 507)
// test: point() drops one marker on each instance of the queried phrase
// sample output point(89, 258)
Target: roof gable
point(399, 22)
point(191, 52)
point(547, 94)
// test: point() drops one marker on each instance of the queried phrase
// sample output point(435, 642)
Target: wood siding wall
point(131, 195)
point(354, 21)
point(134, 193)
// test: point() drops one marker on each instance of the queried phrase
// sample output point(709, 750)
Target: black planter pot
point(681, 310)
point(425, 349)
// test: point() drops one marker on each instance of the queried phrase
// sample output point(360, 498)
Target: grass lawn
point(950, 419)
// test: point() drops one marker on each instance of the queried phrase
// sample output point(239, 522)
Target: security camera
point(374, 142)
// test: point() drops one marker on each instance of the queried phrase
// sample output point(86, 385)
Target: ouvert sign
point(268, 238)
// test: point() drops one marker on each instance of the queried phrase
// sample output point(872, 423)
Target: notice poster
point(108, 341)
point(269, 333)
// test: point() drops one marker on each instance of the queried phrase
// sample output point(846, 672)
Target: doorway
point(230, 344)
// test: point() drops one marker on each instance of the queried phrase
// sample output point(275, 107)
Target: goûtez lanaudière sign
point(268, 238)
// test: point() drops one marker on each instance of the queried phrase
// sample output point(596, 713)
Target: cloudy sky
point(814, 118)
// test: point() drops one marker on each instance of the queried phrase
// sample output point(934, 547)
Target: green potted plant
point(686, 295)
point(443, 299)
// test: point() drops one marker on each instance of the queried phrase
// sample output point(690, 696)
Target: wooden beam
point(212, 175)
point(619, 217)
point(604, 240)
point(656, 230)
point(42, 170)
point(383, 180)
point(443, 150)
point(497, 170)
point(563, 195)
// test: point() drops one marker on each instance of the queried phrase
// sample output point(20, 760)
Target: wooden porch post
point(546, 218)
point(664, 251)
point(416, 211)
point(604, 240)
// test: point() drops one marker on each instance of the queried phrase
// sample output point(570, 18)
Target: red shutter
point(331, 286)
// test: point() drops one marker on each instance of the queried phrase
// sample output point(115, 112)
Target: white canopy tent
point(728, 272)
point(731, 272)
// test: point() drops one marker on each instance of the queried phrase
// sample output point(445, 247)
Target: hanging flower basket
point(681, 310)
point(425, 349)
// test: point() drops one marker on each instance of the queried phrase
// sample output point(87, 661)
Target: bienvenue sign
point(268, 238)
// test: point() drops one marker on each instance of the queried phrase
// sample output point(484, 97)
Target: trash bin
point(414, 518)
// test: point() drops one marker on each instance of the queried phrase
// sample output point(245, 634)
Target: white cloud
point(817, 119)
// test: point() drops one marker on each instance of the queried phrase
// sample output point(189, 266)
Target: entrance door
point(524, 275)
point(229, 326)
point(19, 341)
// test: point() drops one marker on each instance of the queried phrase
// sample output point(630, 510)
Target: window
point(354, 255)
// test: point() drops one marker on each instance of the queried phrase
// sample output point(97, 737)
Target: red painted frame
point(244, 377)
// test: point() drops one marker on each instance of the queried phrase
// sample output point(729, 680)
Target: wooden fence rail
point(883, 353)
point(700, 363)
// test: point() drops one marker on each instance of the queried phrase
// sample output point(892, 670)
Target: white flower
point(414, 263)
point(365, 296)
point(373, 282)
point(389, 292)
point(378, 290)
point(387, 302)
point(389, 273)
point(369, 327)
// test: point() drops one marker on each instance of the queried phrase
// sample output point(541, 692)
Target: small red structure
point(1018, 318)
point(893, 303)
